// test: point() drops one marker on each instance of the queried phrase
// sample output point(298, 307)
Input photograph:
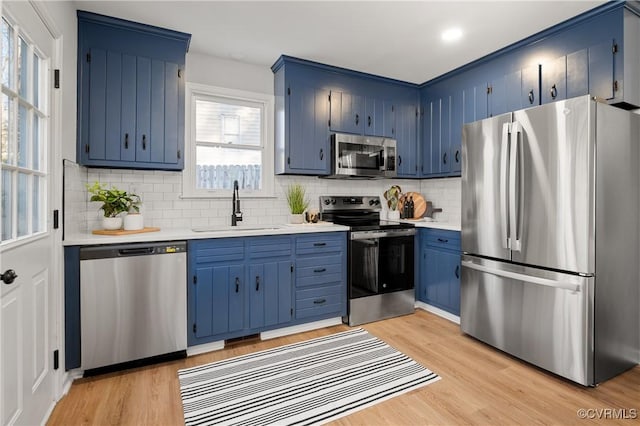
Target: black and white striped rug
point(305, 383)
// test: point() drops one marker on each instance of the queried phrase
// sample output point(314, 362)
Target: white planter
point(296, 218)
point(393, 215)
point(133, 222)
point(111, 223)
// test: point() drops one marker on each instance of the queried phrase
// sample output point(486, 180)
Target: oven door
point(380, 262)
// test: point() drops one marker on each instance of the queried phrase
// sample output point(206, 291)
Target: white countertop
point(188, 234)
point(423, 223)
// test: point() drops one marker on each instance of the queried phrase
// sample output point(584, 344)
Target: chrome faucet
point(236, 214)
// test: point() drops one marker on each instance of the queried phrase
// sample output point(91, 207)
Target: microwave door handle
point(504, 182)
point(514, 185)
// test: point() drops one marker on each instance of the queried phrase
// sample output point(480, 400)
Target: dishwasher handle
point(136, 251)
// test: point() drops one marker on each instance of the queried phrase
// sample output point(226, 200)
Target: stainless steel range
point(381, 258)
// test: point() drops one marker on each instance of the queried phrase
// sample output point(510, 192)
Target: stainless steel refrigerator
point(550, 237)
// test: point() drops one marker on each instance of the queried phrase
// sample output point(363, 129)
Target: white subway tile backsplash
point(162, 205)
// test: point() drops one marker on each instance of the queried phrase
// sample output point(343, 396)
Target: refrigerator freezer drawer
point(540, 316)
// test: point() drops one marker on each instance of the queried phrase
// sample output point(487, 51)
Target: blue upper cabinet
point(314, 101)
point(130, 94)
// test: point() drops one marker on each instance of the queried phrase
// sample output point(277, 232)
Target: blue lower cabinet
point(439, 283)
point(243, 286)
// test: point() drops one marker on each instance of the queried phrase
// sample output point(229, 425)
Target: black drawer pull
point(442, 240)
point(320, 270)
point(237, 284)
point(458, 271)
point(553, 91)
point(144, 142)
point(319, 301)
point(257, 283)
point(126, 141)
point(319, 244)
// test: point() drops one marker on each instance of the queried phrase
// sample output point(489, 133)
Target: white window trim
point(189, 174)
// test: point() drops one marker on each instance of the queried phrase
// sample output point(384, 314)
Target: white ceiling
point(396, 39)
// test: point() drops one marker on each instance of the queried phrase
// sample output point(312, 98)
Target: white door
point(27, 317)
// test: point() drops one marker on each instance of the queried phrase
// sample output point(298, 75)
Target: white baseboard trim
point(206, 347)
point(439, 312)
point(286, 331)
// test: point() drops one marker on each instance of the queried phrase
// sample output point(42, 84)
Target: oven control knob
point(371, 202)
point(377, 201)
point(333, 201)
point(327, 202)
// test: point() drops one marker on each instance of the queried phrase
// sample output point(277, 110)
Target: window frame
point(194, 91)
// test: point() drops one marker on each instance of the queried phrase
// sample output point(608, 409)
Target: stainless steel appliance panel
point(132, 306)
point(484, 208)
point(380, 306)
point(540, 316)
point(552, 192)
point(617, 340)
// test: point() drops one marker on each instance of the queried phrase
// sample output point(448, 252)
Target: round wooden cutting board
point(419, 204)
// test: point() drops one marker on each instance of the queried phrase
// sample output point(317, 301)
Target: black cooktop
point(360, 213)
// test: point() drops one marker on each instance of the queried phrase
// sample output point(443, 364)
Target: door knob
point(9, 276)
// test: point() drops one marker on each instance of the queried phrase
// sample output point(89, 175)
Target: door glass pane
point(23, 224)
point(6, 206)
point(5, 145)
point(36, 85)
point(218, 167)
point(35, 205)
point(22, 136)
point(35, 148)
point(22, 68)
point(7, 54)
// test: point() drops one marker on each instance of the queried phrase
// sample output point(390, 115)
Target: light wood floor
point(479, 385)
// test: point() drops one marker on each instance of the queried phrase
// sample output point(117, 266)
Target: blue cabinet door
point(553, 80)
point(457, 120)
point(347, 112)
point(128, 109)
point(439, 269)
point(497, 99)
point(407, 139)
point(426, 118)
point(530, 93)
point(218, 300)
point(96, 139)
point(379, 117)
point(578, 73)
point(143, 108)
point(601, 67)
point(308, 140)
point(270, 287)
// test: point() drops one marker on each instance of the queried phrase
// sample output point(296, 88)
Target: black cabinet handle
point(320, 270)
point(554, 91)
point(8, 276)
point(444, 158)
point(319, 301)
point(237, 284)
point(458, 271)
point(399, 160)
point(321, 154)
point(457, 155)
point(531, 97)
point(369, 121)
point(357, 119)
point(442, 240)
point(319, 244)
point(144, 141)
point(126, 141)
point(179, 154)
point(257, 283)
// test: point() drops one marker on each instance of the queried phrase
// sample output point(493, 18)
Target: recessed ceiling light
point(452, 34)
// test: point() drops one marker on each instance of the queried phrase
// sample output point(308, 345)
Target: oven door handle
point(368, 235)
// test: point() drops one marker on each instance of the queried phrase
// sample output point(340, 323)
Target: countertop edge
point(188, 234)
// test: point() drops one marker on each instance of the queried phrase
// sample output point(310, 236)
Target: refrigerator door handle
point(514, 185)
point(504, 182)
point(561, 285)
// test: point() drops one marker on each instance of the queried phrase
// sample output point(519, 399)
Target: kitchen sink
point(234, 228)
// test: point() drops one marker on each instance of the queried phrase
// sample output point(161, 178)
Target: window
point(23, 135)
point(230, 137)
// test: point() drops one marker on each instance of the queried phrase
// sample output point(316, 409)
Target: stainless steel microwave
point(362, 156)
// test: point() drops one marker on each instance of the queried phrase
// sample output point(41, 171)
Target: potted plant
point(114, 202)
point(298, 203)
point(392, 195)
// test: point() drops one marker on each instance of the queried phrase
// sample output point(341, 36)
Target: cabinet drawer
point(269, 247)
point(441, 238)
point(218, 250)
point(320, 243)
point(319, 301)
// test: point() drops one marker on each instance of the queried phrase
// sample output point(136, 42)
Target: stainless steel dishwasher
point(133, 302)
